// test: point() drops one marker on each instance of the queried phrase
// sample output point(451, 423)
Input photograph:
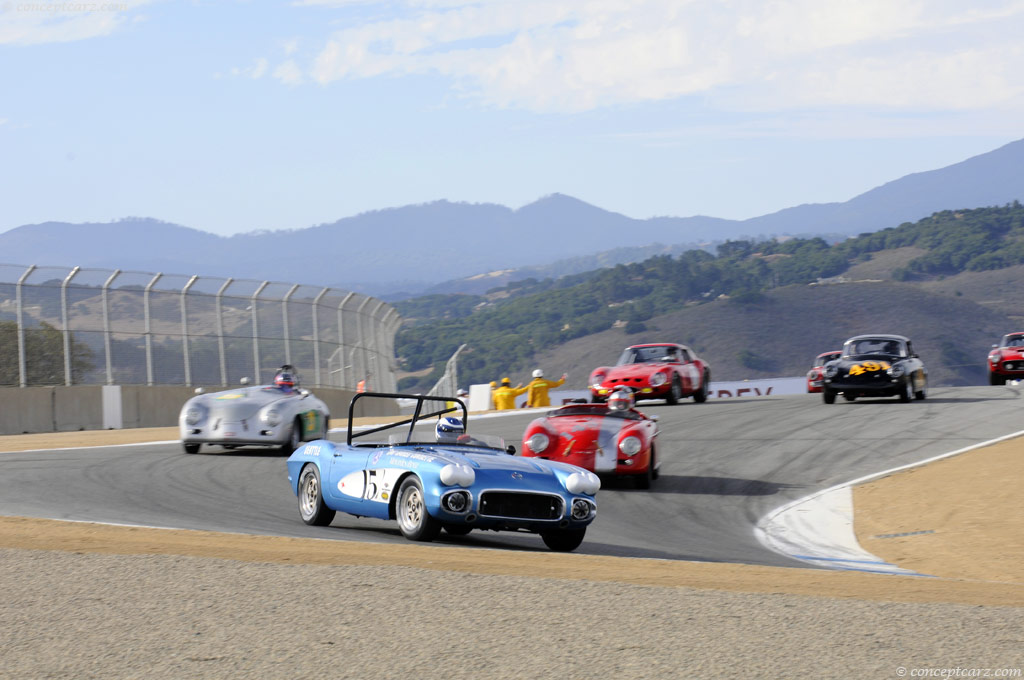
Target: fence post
point(316, 337)
point(64, 319)
point(220, 331)
point(361, 341)
point(284, 317)
point(22, 377)
point(255, 334)
point(106, 324)
point(184, 329)
point(341, 337)
point(149, 329)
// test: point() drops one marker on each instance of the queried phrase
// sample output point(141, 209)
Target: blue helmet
point(448, 429)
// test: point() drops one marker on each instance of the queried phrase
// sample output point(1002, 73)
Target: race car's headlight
point(454, 474)
point(271, 417)
point(538, 442)
point(630, 445)
point(584, 481)
point(658, 379)
point(831, 371)
point(195, 415)
point(582, 509)
point(896, 370)
point(597, 378)
point(994, 358)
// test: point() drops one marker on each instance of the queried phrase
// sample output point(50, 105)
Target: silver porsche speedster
point(281, 415)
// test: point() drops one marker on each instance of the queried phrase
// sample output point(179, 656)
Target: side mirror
point(511, 450)
point(199, 390)
point(244, 381)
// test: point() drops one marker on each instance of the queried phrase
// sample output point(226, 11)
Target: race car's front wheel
point(414, 521)
point(675, 391)
point(312, 508)
point(563, 540)
point(829, 396)
point(191, 448)
point(994, 379)
point(907, 393)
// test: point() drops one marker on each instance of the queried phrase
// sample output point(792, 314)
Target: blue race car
point(428, 473)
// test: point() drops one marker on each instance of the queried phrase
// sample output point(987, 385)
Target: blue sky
point(237, 116)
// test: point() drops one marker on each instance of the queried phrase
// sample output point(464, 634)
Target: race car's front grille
point(1013, 365)
point(626, 381)
point(520, 505)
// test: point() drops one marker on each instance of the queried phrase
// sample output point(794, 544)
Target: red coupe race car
point(816, 375)
point(606, 439)
point(1006, 360)
point(656, 371)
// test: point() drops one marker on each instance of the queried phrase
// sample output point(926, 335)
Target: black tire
point(457, 529)
point(294, 440)
point(701, 395)
point(922, 393)
point(563, 540)
point(994, 379)
point(654, 463)
point(675, 392)
point(327, 427)
point(829, 396)
point(414, 521)
point(597, 400)
point(849, 397)
point(907, 393)
point(312, 508)
point(191, 448)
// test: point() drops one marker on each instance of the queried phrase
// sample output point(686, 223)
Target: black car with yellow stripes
point(876, 366)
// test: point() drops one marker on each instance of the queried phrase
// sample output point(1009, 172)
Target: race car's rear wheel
point(312, 508)
point(829, 396)
point(675, 392)
point(191, 448)
point(701, 395)
point(294, 438)
point(414, 521)
point(563, 540)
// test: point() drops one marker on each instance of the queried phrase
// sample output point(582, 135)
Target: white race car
point(281, 415)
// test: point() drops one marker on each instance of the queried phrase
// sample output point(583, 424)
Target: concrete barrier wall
point(82, 407)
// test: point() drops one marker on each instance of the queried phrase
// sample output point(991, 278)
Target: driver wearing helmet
point(448, 430)
point(285, 379)
point(620, 400)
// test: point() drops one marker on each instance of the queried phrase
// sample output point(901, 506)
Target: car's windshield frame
point(649, 354)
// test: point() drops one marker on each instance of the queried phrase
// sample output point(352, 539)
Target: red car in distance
point(1006, 360)
point(816, 376)
point(654, 371)
point(606, 441)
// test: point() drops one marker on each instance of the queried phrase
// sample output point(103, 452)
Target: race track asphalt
point(725, 464)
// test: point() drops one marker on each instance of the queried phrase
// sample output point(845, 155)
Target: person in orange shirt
point(505, 396)
point(538, 389)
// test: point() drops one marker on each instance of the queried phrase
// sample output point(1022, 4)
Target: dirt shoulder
point(960, 519)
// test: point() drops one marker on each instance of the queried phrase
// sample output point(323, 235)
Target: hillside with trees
point(747, 287)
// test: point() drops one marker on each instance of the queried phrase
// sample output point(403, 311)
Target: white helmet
point(538, 373)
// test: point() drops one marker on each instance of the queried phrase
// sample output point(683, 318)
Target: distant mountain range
point(439, 246)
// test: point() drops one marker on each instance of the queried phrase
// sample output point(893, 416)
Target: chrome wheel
point(312, 508)
point(414, 521)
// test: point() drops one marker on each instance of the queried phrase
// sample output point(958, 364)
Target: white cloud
point(39, 22)
point(289, 73)
point(575, 55)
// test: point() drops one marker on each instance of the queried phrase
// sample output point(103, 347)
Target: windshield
point(865, 346)
point(423, 437)
point(825, 358)
point(648, 355)
point(1013, 341)
point(594, 410)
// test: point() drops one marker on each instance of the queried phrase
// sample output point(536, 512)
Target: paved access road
point(725, 464)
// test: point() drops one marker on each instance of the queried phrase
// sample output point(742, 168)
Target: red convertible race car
point(816, 376)
point(612, 439)
point(1006, 360)
point(656, 371)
